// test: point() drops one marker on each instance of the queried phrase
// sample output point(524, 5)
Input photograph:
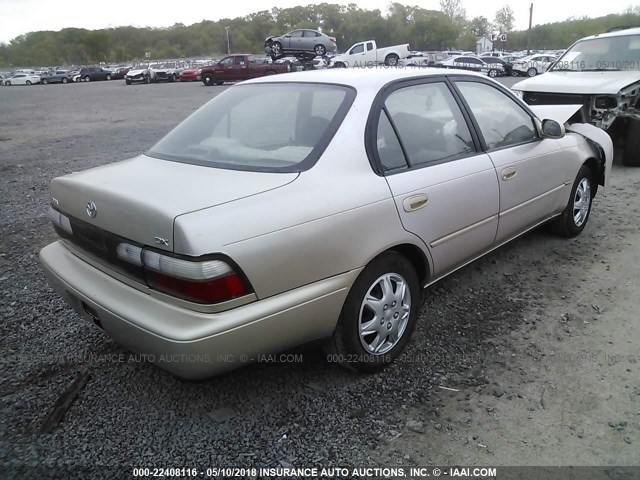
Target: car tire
point(631, 154)
point(276, 48)
point(391, 60)
point(532, 72)
point(320, 50)
point(127, 81)
point(28, 82)
point(65, 80)
point(209, 79)
point(351, 345)
point(7, 83)
point(108, 76)
point(147, 79)
point(172, 78)
point(576, 214)
point(87, 78)
point(493, 73)
point(45, 81)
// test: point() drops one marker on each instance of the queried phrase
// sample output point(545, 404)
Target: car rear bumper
point(192, 344)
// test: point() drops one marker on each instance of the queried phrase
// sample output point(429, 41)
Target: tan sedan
point(312, 206)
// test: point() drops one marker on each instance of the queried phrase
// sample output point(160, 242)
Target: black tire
point(631, 155)
point(28, 82)
point(219, 82)
point(45, 81)
point(172, 78)
point(147, 79)
point(532, 72)
point(276, 47)
point(65, 80)
point(209, 79)
point(7, 83)
point(87, 78)
point(108, 76)
point(269, 72)
point(391, 60)
point(340, 65)
point(493, 73)
point(127, 81)
point(346, 346)
point(320, 50)
point(565, 224)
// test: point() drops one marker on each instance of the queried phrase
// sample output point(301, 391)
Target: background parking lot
point(536, 344)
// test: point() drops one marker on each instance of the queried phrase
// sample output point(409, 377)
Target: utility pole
point(228, 43)
point(529, 31)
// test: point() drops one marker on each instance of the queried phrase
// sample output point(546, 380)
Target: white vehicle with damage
point(601, 73)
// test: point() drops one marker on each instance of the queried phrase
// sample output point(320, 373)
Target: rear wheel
point(7, 83)
point(378, 316)
point(320, 50)
point(64, 80)
point(108, 76)
point(493, 73)
point(87, 78)
point(172, 78)
point(28, 82)
point(391, 60)
point(208, 79)
point(532, 72)
point(631, 156)
point(45, 81)
point(576, 214)
point(269, 72)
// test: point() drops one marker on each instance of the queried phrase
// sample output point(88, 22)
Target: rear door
point(445, 189)
point(533, 172)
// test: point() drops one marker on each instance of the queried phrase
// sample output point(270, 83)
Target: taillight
point(200, 281)
point(333, 39)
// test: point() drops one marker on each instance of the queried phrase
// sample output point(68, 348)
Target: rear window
point(281, 127)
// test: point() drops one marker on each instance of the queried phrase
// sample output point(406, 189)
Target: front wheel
point(276, 48)
point(28, 82)
point(631, 155)
point(65, 80)
point(87, 78)
point(378, 315)
point(493, 73)
point(108, 77)
point(576, 214)
point(532, 72)
point(127, 81)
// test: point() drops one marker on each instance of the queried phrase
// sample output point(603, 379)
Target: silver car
point(228, 240)
point(303, 40)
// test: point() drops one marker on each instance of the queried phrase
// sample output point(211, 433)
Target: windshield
point(281, 127)
point(602, 54)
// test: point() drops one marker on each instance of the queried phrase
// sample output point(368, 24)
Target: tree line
point(443, 29)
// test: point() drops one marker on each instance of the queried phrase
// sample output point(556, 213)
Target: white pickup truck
point(367, 54)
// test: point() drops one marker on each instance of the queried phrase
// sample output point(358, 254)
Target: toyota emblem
point(92, 210)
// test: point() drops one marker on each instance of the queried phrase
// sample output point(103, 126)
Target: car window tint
point(389, 150)
point(310, 33)
point(357, 49)
point(369, 46)
point(297, 33)
point(429, 123)
point(227, 62)
point(501, 120)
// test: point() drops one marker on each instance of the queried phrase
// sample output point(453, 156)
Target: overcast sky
point(23, 16)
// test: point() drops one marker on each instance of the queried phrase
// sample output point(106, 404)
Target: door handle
point(508, 173)
point(415, 202)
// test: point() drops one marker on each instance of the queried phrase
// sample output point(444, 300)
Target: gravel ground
point(537, 340)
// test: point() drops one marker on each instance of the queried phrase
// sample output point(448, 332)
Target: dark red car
point(240, 67)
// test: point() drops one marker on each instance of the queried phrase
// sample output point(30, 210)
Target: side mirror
point(552, 129)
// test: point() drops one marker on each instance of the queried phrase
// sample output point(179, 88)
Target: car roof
point(617, 33)
point(361, 78)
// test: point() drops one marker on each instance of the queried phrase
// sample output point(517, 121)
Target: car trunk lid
point(138, 199)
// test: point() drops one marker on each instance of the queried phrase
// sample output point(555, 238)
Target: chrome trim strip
point(495, 247)
point(464, 230)
point(534, 199)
